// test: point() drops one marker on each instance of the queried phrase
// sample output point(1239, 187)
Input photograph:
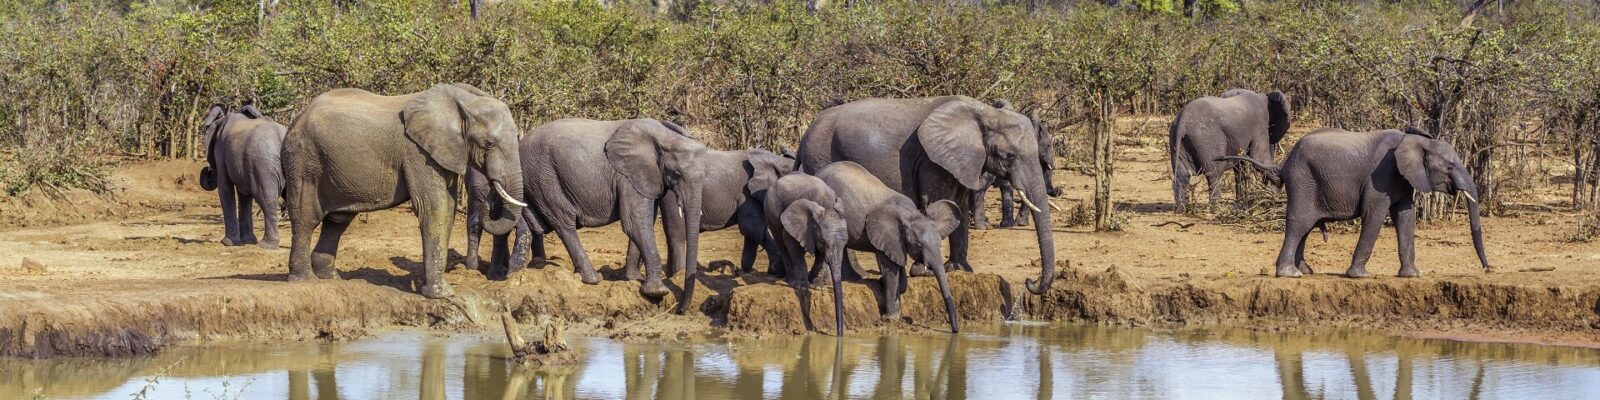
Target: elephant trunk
point(944, 287)
point(835, 261)
point(1470, 189)
point(1042, 227)
point(691, 230)
point(509, 190)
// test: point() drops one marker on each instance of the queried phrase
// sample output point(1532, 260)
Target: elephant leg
point(500, 257)
point(672, 226)
point(327, 249)
point(1024, 217)
point(1300, 256)
point(1294, 238)
point(535, 230)
point(891, 280)
point(980, 220)
point(1008, 204)
point(638, 222)
point(1405, 229)
point(230, 210)
point(794, 275)
point(1180, 187)
point(1371, 224)
point(773, 249)
point(436, 214)
point(246, 218)
point(1214, 184)
point(580, 259)
point(820, 275)
point(302, 223)
point(959, 239)
point(747, 255)
point(630, 264)
point(475, 214)
point(269, 221)
point(519, 248)
point(781, 239)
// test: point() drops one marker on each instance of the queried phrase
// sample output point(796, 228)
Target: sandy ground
point(137, 270)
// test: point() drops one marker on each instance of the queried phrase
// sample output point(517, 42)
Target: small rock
point(1263, 272)
point(32, 266)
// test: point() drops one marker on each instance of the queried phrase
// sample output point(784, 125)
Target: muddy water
point(1017, 360)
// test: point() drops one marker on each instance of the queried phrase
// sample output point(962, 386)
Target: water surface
point(1014, 360)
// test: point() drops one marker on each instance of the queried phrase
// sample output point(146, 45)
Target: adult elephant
point(243, 165)
point(353, 151)
point(1336, 175)
point(1210, 128)
point(588, 173)
point(1047, 163)
point(736, 183)
point(938, 148)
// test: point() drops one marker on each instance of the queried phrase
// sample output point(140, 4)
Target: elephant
point(735, 185)
point(1210, 128)
point(588, 173)
point(888, 224)
point(1337, 175)
point(243, 164)
point(352, 151)
point(937, 148)
point(481, 201)
point(806, 216)
point(1047, 162)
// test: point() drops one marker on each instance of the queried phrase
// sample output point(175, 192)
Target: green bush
point(117, 77)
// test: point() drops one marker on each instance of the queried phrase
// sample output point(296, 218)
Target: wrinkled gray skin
point(482, 202)
point(806, 216)
point(888, 224)
point(1335, 175)
point(587, 173)
point(242, 164)
point(1210, 128)
point(1047, 163)
point(352, 151)
point(736, 182)
point(937, 148)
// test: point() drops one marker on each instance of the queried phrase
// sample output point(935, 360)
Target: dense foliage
point(91, 82)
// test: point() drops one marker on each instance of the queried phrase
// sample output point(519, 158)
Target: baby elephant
point(242, 164)
point(889, 225)
point(1335, 175)
point(805, 216)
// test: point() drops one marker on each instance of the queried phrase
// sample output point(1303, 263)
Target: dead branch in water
point(536, 352)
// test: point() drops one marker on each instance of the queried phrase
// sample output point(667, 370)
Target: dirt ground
point(142, 268)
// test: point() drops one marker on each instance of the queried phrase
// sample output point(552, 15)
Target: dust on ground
point(143, 267)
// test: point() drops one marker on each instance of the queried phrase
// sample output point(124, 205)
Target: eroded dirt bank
point(144, 269)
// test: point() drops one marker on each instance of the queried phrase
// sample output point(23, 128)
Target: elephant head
point(1047, 154)
point(1432, 165)
point(1278, 114)
point(459, 126)
point(765, 169)
point(822, 230)
point(968, 138)
point(213, 124)
point(899, 233)
point(659, 158)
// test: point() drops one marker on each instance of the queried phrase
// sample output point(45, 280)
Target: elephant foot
point(231, 242)
point(799, 283)
point(981, 225)
point(268, 245)
point(920, 269)
point(589, 276)
point(653, 289)
point(1410, 273)
point(329, 273)
point(436, 290)
point(248, 240)
point(719, 265)
point(1288, 272)
point(1355, 272)
point(953, 265)
point(300, 277)
point(1305, 268)
point(632, 274)
point(539, 262)
point(1008, 223)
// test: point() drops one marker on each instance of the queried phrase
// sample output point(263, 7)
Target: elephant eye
point(488, 143)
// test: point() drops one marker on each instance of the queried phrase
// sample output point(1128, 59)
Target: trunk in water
point(1042, 227)
point(691, 251)
point(505, 221)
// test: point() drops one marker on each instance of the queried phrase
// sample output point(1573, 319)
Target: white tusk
point(1469, 196)
point(1053, 206)
point(507, 196)
point(1024, 196)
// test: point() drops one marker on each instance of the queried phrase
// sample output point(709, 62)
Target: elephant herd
point(1330, 175)
point(891, 177)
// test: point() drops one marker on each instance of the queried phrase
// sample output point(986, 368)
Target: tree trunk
point(1102, 127)
point(476, 6)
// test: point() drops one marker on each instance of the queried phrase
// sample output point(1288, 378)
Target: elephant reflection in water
point(322, 370)
point(1291, 371)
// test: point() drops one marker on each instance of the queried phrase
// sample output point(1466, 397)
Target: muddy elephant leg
point(436, 215)
point(304, 220)
point(1294, 238)
point(327, 250)
point(230, 210)
point(247, 228)
point(475, 215)
point(269, 222)
point(1371, 224)
point(1008, 204)
point(499, 257)
point(1405, 229)
point(630, 263)
point(638, 222)
point(519, 248)
point(892, 279)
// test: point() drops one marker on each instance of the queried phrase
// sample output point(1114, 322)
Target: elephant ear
point(765, 169)
point(1278, 116)
point(675, 128)
point(1410, 158)
point(249, 110)
point(436, 121)
point(883, 231)
point(799, 220)
point(944, 215)
point(633, 152)
point(471, 89)
point(1003, 104)
point(953, 139)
